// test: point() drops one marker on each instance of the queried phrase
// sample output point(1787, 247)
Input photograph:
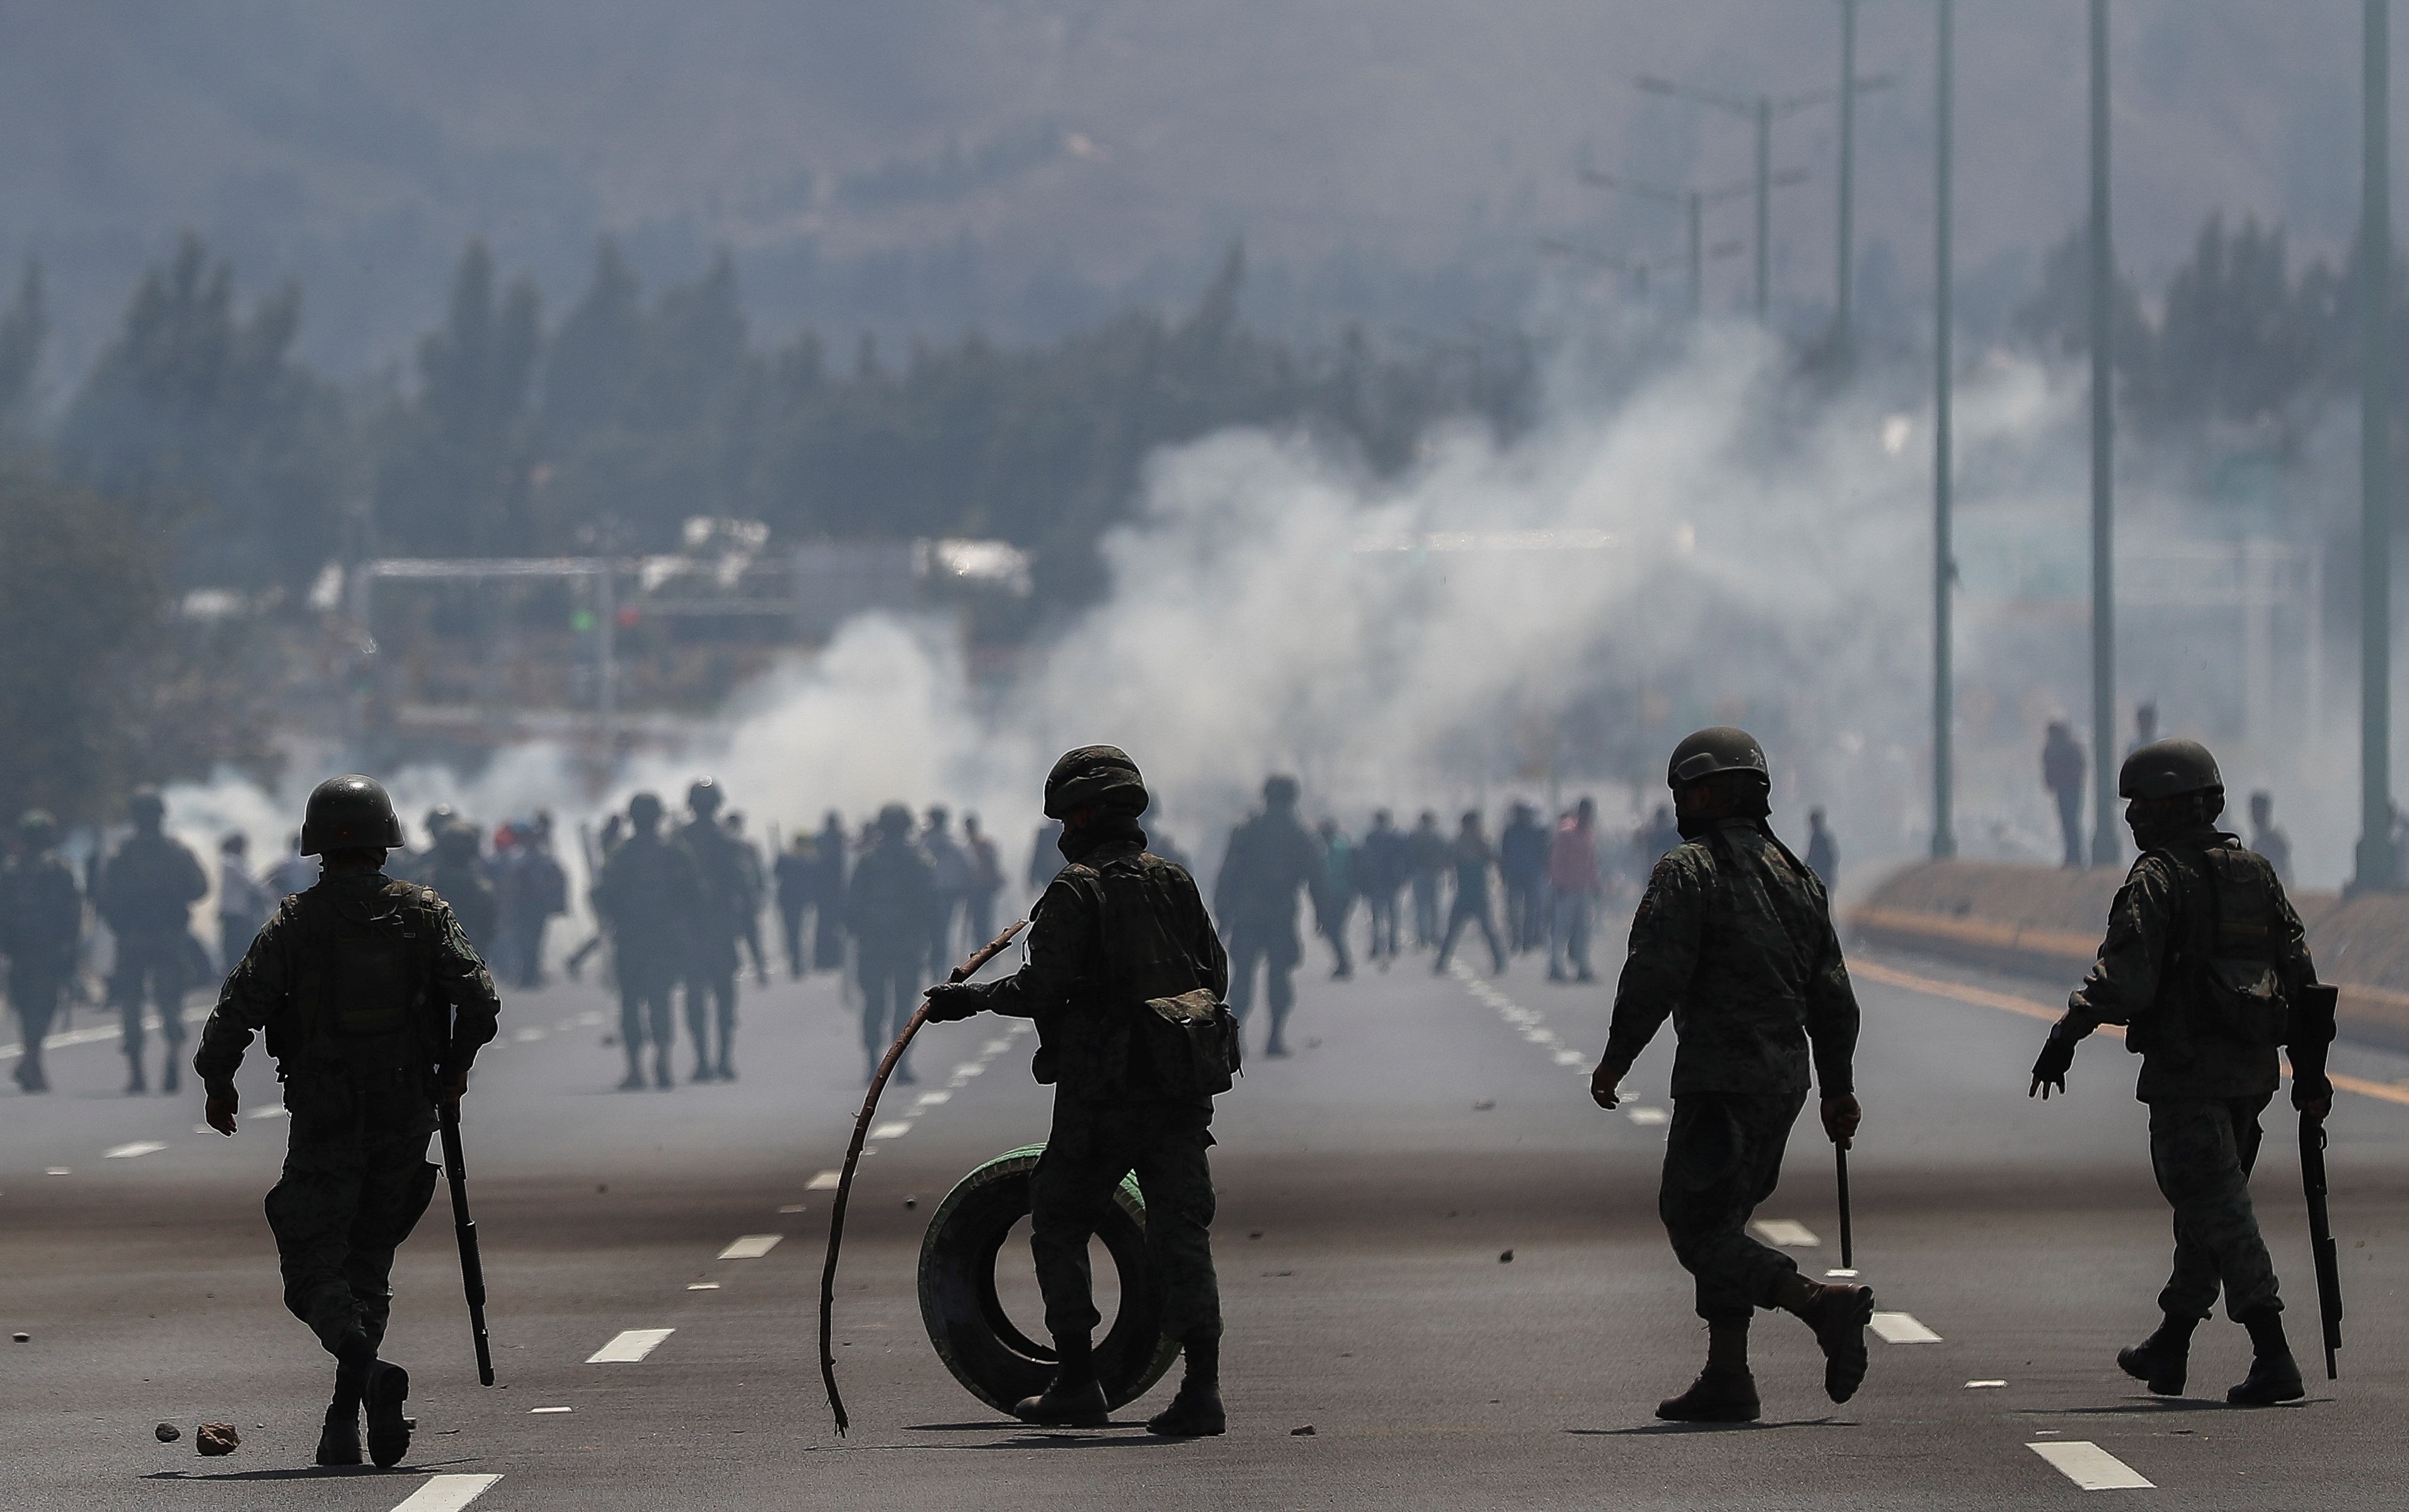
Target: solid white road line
point(630, 1346)
point(824, 1182)
point(1788, 1233)
point(896, 1129)
point(1902, 1328)
point(755, 1246)
point(2091, 1467)
point(127, 1152)
point(1647, 1117)
point(447, 1494)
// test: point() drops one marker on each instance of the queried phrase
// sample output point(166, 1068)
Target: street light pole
point(1843, 297)
point(2105, 847)
point(1944, 563)
point(1697, 206)
point(1764, 206)
point(2378, 867)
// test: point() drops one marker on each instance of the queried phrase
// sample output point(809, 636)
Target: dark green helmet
point(705, 797)
point(1711, 752)
point(1095, 776)
point(1281, 792)
point(146, 808)
point(894, 821)
point(2168, 768)
point(644, 810)
point(349, 812)
point(37, 828)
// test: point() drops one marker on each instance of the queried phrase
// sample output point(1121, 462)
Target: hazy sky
point(1025, 162)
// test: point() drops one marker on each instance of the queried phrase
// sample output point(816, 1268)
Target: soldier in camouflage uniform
point(647, 900)
point(457, 871)
point(2206, 962)
point(374, 1005)
point(1118, 932)
point(146, 896)
point(727, 888)
point(887, 907)
point(41, 925)
point(1270, 858)
point(1734, 939)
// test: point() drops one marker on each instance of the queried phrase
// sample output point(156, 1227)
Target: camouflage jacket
point(1083, 982)
point(1734, 940)
point(452, 1010)
point(2139, 981)
point(648, 897)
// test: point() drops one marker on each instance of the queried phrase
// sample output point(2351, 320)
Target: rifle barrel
point(464, 1228)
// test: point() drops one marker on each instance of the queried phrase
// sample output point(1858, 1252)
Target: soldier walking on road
point(1124, 979)
point(1426, 859)
point(827, 896)
point(1334, 894)
point(792, 876)
point(1523, 850)
point(458, 874)
point(1734, 939)
point(950, 871)
point(2205, 962)
point(1471, 857)
point(374, 1005)
point(41, 927)
point(146, 896)
point(2064, 770)
point(647, 899)
point(986, 880)
point(888, 908)
point(726, 897)
point(1379, 872)
point(1270, 858)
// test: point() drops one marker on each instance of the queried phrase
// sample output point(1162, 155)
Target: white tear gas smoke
point(1539, 619)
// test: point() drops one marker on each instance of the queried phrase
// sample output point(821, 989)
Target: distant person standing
point(1823, 851)
point(1426, 856)
point(1574, 881)
point(1471, 857)
point(1379, 872)
point(538, 893)
point(2266, 839)
point(1523, 850)
point(458, 874)
point(792, 876)
point(1334, 895)
point(2062, 766)
point(646, 898)
point(1271, 857)
point(41, 927)
point(950, 878)
point(725, 894)
point(243, 900)
point(2146, 724)
point(986, 880)
point(756, 887)
point(887, 908)
point(828, 895)
point(1655, 840)
point(146, 896)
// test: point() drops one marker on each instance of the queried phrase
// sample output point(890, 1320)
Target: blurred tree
point(455, 480)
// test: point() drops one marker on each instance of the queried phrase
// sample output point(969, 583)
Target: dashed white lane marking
point(1647, 1117)
point(67, 1036)
point(1840, 1274)
point(751, 1247)
point(2091, 1467)
point(274, 1110)
point(1787, 1232)
point(57, 1171)
point(539, 1411)
point(967, 1069)
point(447, 1494)
point(590, 1017)
point(931, 1099)
point(824, 1182)
point(1571, 1058)
point(527, 1035)
point(702, 1286)
point(1902, 1328)
point(892, 1130)
point(134, 1151)
point(630, 1346)
point(1531, 1025)
point(792, 1207)
point(1981, 1386)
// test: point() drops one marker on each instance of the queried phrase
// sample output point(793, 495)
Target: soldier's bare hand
point(220, 1111)
point(1841, 1116)
point(1602, 1087)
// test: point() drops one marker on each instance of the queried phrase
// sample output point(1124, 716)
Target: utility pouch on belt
point(1183, 1038)
point(1193, 1043)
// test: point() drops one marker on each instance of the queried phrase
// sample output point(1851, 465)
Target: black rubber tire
point(991, 1356)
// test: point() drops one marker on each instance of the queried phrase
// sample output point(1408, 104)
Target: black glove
point(2049, 1072)
point(952, 1000)
point(2310, 1089)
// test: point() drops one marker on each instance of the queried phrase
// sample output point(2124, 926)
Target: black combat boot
point(2164, 1358)
point(1725, 1390)
point(134, 1081)
point(634, 1081)
point(170, 1082)
point(2274, 1375)
point(339, 1440)
point(661, 1077)
point(388, 1388)
point(1839, 1313)
point(1195, 1412)
point(1074, 1398)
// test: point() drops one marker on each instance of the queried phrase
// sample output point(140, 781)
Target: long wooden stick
point(853, 1158)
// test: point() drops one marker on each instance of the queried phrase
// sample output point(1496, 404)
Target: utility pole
point(1944, 556)
point(2105, 847)
point(1692, 204)
point(2378, 867)
point(1844, 296)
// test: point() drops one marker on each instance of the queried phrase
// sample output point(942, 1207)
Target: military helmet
point(2168, 768)
point(705, 797)
point(37, 828)
point(1279, 791)
point(1711, 752)
point(1095, 776)
point(894, 821)
point(644, 810)
point(349, 812)
point(146, 807)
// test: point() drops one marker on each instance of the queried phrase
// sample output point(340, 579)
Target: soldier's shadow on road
point(1651, 1430)
point(1042, 1438)
point(2143, 1406)
point(312, 1471)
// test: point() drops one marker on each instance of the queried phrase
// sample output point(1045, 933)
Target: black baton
point(472, 1269)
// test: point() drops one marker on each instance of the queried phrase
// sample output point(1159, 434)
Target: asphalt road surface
point(1373, 1188)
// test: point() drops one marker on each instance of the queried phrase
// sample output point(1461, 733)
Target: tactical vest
point(1183, 1039)
point(2219, 979)
point(362, 971)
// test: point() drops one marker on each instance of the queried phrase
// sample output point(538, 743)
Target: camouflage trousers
point(2202, 1151)
point(890, 985)
point(1279, 951)
point(1092, 1146)
point(647, 979)
point(164, 962)
point(356, 1180)
point(1723, 1155)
